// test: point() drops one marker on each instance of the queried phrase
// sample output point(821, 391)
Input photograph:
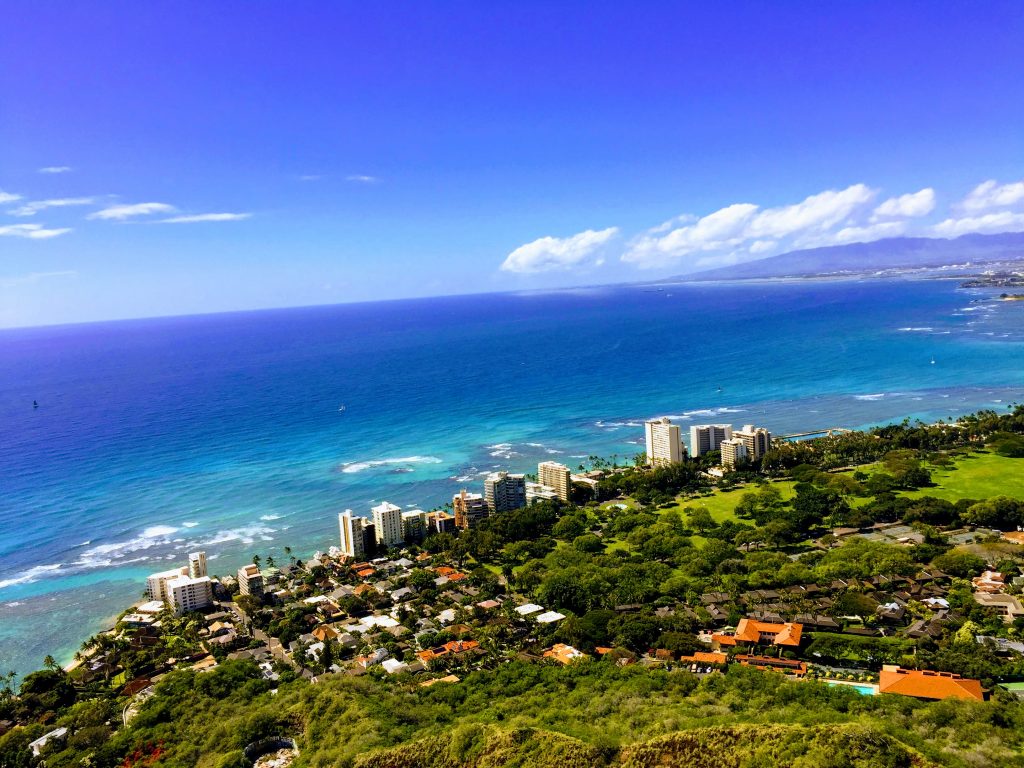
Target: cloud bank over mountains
point(746, 231)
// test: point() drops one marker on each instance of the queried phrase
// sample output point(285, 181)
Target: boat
point(341, 408)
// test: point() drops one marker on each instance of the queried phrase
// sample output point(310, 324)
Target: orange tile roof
point(706, 657)
point(753, 631)
point(457, 577)
point(444, 570)
point(926, 684)
point(603, 650)
point(365, 572)
point(565, 654)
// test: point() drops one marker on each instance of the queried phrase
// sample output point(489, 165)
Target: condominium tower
point(387, 520)
point(504, 492)
point(705, 438)
point(470, 509)
point(556, 477)
point(756, 439)
point(250, 580)
point(664, 443)
point(197, 565)
point(353, 534)
point(732, 450)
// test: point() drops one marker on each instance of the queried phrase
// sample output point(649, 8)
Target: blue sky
point(302, 153)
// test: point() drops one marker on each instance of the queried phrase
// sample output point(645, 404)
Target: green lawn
point(977, 476)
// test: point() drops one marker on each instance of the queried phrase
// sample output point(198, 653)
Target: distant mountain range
point(865, 258)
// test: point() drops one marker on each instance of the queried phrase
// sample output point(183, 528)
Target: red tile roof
point(753, 631)
point(926, 684)
point(705, 657)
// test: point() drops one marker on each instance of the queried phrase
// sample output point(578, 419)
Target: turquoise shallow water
point(224, 432)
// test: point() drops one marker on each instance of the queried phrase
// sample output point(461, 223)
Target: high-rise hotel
point(705, 438)
point(664, 442)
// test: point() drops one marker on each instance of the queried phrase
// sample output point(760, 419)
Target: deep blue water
point(154, 437)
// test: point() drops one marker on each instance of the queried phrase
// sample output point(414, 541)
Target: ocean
point(247, 432)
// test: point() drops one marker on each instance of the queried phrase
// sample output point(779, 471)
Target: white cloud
point(548, 254)
point(911, 205)
point(361, 179)
point(34, 207)
point(1003, 221)
point(992, 194)
point(199, 217)
point(55, 169)
point(31, 231)
point(121, 212)
point(868, 233)
point(815, 214)
point(310, 177)
point(8, 197)
point(746, 226)
point(722, 229)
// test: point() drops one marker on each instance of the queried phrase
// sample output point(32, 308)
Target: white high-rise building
point(156, 583)
point(504, 492)
point(664, 442)
point(469, 508)
point(756, 439)
point(187, 594)
point(387, 522)
point(705, 438)
point(414, 525)
point(250, 580)
point(732, 450)
point(353, 534)
point(197, 565)
point(556, 477)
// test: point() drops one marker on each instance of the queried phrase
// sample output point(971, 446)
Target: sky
point(177, 158)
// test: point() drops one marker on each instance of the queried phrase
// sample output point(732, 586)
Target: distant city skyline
point(158, 161)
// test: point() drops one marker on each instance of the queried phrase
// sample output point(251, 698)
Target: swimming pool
point(862, 688)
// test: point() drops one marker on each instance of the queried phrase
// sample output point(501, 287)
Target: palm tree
point(256, 560)
point(51, 663)
point(270, 561)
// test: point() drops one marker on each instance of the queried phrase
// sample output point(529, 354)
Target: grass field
point(977, 476)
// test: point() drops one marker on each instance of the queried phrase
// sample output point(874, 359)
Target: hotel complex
point(556, 477)
point(664, 442)
point(504, 492)
point(387, 522)
point(705, 438)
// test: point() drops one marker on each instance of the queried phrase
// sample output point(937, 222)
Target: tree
point(699, 518)
point(256, 560)
point(956, 563)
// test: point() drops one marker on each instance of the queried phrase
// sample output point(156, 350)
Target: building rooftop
point(926, 684)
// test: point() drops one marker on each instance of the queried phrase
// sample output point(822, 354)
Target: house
point(564, 654)
point(54, 736)
point(526, 610)
point(453, 648)
point(549, 617)
point(1009, 605)
point(394, 666)
point(989, 582)
point(705, 657)
point(926, 684)
point(1001, 644)
point(753, 631)
point(324, 632)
